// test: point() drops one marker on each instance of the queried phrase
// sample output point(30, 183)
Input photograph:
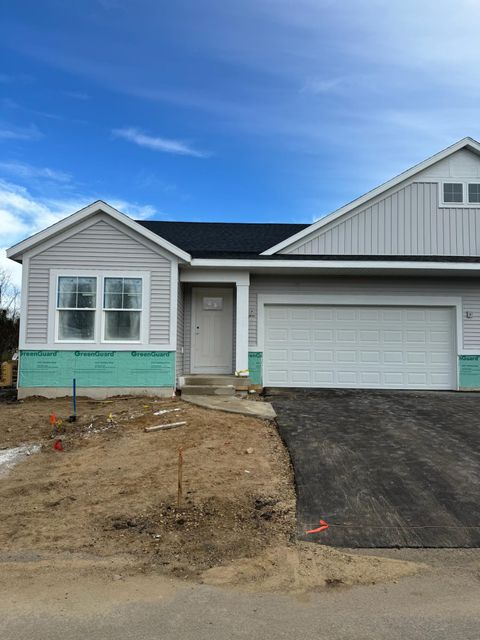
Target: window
point(76, 305)
point(122, 306)
point(474, 192)
point(452, 192)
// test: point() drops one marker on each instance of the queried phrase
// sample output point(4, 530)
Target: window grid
point(123, 295)
point(474, 192)
point(453, 192)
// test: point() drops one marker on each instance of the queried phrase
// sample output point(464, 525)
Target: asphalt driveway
point(383, 468)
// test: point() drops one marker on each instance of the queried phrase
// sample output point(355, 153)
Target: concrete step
point(208, 390)
point(213, 380)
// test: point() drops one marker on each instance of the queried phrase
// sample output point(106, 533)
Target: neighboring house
point(383, 293)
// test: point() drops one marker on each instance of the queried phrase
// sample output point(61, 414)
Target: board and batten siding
point(403, 221)
point(102, 245)
point(467, 289)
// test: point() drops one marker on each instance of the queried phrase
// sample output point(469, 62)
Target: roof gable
point(466, 143)
point(16, 252)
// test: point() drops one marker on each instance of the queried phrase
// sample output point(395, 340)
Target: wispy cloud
point(23, 213)
point(322, 85)
point(8, 103)
point(10, 132)
point(133, 209)
point(28, 171)
point(77, 95)
point(166, 145)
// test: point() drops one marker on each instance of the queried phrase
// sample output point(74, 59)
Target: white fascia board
point(469, 143)
point(338, 264)
point(15, 252)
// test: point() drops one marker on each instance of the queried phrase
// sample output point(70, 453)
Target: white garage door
point(359, 347)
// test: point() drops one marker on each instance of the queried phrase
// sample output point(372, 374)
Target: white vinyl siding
point(103, 245)
point(468, 289)
point(377, 347)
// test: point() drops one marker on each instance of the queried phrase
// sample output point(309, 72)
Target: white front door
point(212, 330)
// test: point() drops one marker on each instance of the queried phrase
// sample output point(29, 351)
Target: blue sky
point(259, 110)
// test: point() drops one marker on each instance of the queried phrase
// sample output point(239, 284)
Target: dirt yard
point(112, 492)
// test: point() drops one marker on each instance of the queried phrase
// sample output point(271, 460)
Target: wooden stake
point(159, 427)
point(180, 473)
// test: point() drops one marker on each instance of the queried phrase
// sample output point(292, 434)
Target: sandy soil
point(112, 493)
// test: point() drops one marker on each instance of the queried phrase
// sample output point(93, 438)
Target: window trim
point(98, 341)
point(477, 182)
point(465, 204)
point(442, 193)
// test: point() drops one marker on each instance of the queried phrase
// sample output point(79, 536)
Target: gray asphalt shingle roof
point(222, 239)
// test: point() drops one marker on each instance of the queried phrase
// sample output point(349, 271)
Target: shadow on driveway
point(384, 468)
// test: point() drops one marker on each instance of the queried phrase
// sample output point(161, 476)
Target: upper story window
point(460, 193)
point(452, 192)
point(122, 305)
point(474, 192)
point(76, 305)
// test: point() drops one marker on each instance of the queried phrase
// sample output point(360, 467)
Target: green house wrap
point(97, 368)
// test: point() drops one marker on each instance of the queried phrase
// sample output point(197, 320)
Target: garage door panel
point(323, 314)
point(440, 357)
point(323, 356)
point(416, 337)
point(438, 336)
point(300, 335)
point(301, 378)
point(371, 378)
point(393, 357)
point(370, 357)
point(416, 357)
point(277, 335)
point(369, 335)
point(323, 335)
point(301, 356)
point(279, 356)
point(346, 313)
point(323, 378)
point(366, 347)
point(392, 337)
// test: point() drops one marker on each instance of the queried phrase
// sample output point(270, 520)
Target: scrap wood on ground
point(112, 491)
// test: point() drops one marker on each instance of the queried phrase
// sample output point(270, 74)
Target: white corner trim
point(470, 143)
point(99, 206)
point(215, 276)
point(24, 304)
point(359, 300)
point(242, 327)
point(173, 303)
